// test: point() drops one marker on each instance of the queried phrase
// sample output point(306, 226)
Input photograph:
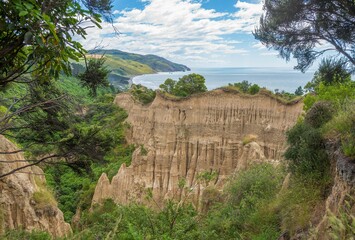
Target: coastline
point(270, 78)
point(130, 81)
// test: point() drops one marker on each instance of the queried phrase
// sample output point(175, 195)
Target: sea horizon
point(283, 79)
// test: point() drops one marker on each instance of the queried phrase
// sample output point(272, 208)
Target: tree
point(298, 28)
point(168, 86)
point(190, 84)
point(95, 75)
point(254, 89)
point(330, 72)
point(36, 46)
point(36, 36)
point(299, 91)
point(186, 86)
point(243, 86)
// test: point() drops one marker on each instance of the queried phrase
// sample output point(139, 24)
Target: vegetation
point(43, 197)
point(330, 72)
point(142, 94)
point(96, 75)
point(296, 28)
point(44, 49)
point(82, 133)
point(75, 191)
point(246, 87)
point(185, 86)
point(36, 47)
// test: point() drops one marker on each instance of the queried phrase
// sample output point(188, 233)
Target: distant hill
point(125, 65)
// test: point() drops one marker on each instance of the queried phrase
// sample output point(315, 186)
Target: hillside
point(127, 65)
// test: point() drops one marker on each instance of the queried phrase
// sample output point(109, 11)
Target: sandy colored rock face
point(18, 207)
point(216, 132)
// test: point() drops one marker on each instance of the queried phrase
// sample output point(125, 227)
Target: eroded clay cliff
point(218, 131)
point(25, 203)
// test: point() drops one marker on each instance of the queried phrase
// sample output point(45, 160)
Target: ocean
point(271, 78)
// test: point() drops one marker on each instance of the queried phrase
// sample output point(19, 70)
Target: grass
point(127, 67)
point(43, 197)
point(249, 138)
point(342, 127)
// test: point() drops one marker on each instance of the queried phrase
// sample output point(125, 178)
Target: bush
point(338, 94)
point(247, 213)
point(320, 113)
point(342, 127)
point(243, 86)
point(330, 72)
point(306, 152)
point(111, 221)
point(23, 235)
point(186, 86)
point(142, 94)
point(254, 89)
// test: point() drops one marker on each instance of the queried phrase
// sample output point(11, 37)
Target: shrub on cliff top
point(186, 86)
point(246, 87)
point(142, 94)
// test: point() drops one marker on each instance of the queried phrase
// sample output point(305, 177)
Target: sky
point(196, 33)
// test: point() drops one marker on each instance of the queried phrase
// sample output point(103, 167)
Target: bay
point(271, 78)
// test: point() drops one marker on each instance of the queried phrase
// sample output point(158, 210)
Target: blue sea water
point(271, 78)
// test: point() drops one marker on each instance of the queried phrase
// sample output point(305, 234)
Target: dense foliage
point(37, 36)
point(37, 46)
point(185, 86)
point(142, 94)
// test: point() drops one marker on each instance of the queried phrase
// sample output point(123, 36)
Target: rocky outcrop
point(25, 203)
point(339, 216)
point(178, 140)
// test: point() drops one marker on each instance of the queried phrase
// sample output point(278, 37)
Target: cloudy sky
point(197, 33)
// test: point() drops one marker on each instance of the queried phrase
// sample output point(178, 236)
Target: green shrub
point(247, 212)
point(306, 152)
point(111, 221)
point(342, 127)
point(144, 151)
point(338, 94)
point(330, 72)
point(243, 86)
point(185, 86)
point(142, 93)
point(320, 113)
point(23, 235)
point(254, 89)
point(297, 203)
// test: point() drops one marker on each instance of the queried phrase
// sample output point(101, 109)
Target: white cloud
point(249, 13)
point(269, 53)
point(178, 29)
point(259, 46)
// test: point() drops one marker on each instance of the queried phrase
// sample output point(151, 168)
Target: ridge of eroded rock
point(18, 206)
point(216, 131)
